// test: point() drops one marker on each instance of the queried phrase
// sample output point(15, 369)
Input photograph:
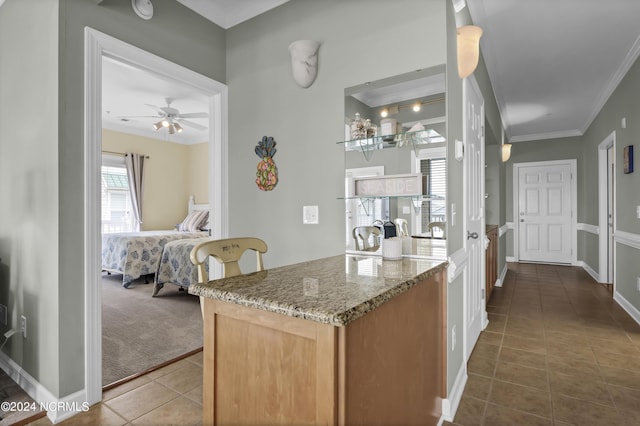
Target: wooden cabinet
point(491, 259)
point(386, 367)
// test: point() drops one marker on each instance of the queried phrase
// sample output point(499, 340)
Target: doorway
point(544, 211)
point(98, 46)
point(474, 220)
point(606, 196)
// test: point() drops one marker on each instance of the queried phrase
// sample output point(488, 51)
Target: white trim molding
point(587, 227)
point(627, 239)
point(457, 263)
point(503, 275)
point(97, 46)
point(603, 205)
point(627, 306)
point(589, 270)
point(57, 409)
point(450, 404)
point(504, 228)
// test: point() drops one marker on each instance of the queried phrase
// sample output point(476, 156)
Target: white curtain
point(135, 172)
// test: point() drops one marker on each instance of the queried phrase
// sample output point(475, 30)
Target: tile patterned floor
point(557, 351)
point(171, 395)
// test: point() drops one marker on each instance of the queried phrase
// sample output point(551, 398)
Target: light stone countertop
point(334, 290)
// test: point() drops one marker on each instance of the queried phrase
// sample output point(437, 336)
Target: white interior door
point(545, 212)
point(474, 278)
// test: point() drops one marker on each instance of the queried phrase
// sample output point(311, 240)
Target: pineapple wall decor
point(267, 174)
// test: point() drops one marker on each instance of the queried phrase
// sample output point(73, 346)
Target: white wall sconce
point(304, 61)
point(506, 152)
point(468, 49)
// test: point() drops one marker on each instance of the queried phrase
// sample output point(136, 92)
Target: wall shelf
point(411, 140)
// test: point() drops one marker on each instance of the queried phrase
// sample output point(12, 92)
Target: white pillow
point(194, 221)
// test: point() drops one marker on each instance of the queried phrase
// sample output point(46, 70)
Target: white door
point(474, 278)
point(545, 213)
point(610, 213)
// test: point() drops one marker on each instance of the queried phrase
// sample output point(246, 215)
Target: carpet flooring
point(140, 332)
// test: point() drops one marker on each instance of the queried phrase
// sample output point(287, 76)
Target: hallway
point(557, 351)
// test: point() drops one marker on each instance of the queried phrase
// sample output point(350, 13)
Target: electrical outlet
point(3, 314)
point(310, 214)
point(23, 326)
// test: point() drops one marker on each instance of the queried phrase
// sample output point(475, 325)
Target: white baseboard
point(450, 404)
point(502, 276)
point(627, 306)
point(588, 270)
point(510, 259)
point(57, 409)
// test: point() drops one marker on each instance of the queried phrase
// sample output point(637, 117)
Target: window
point(116, 199)
point(434, 209)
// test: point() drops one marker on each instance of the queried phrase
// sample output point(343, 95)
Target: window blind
point(434, 210)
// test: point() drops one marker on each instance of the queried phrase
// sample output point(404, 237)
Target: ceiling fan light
point(178, 127)
point(165, 122)
point(158, 125)
point(171, 129)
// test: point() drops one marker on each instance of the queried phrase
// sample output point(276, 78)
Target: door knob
point(473, 235)
point(521, 220)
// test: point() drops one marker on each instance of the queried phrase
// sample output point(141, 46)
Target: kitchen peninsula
point(341, 340)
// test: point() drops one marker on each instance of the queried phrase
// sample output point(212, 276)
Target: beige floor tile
point(99, 414)
point(580, 388)
point(481, 366)
point(524, 344)
point(470, 412)
point(521, 375)
point(491, 338)
point(584, 413)
point(196, 358)
point(621, 377)
point(498, 415)
point(180, 411)
point(527, 359)
point(521, 398)
point(125, 387)
point(168, 369)
point(625, 398)
point(183, 379)
point(141, 400)
point(195, 394)
point(478, 386)
point(486, 350)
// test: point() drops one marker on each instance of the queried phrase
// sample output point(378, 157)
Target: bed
point(137, 254)
point(175, 265)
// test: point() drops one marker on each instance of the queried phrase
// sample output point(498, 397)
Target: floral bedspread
point(175, 265)
point(134, 254)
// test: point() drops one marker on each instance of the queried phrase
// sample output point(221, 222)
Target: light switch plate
point(310, 215)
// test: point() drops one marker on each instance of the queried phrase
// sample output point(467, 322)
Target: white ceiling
point(554, 63)
point(227, 13)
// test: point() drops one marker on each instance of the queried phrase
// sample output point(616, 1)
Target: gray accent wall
point(42, 237)
point(29, 236)
point(361, 41)
point(623, 103)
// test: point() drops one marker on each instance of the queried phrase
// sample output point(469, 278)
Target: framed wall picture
point(628, 159)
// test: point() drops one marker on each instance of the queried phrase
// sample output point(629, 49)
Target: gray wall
point(28, 183)
point(47, 41)
point(623, 102)
point(360, 42)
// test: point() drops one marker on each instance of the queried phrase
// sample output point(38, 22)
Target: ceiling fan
point(173, 120)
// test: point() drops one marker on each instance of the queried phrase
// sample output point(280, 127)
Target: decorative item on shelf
point(362, 129)
point(304, 61)
point(267, 174)
point(628, 159)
